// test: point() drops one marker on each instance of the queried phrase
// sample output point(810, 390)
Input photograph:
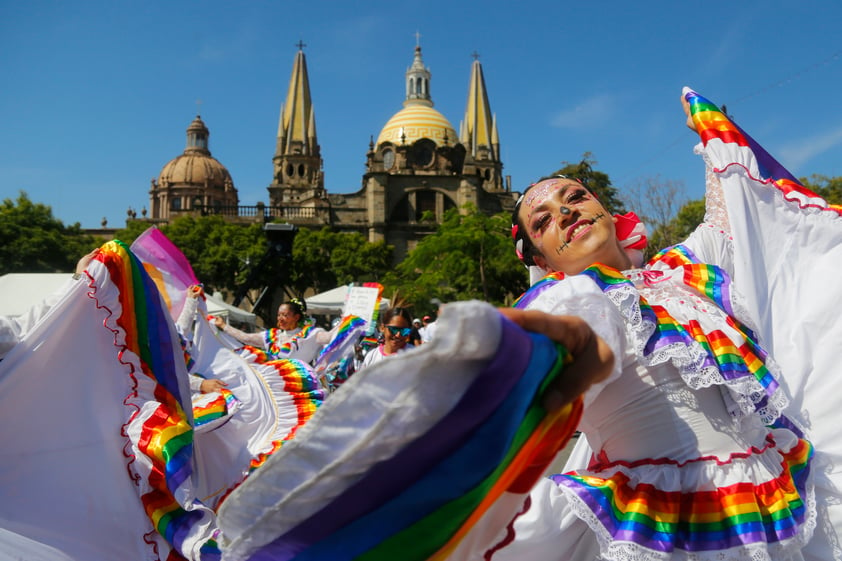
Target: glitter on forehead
point(542, 191)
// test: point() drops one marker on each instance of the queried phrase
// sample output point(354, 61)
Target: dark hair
point(526, 249)
point(299, 307)
point(389, 314)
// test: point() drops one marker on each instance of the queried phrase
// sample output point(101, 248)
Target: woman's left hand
point(593, 359)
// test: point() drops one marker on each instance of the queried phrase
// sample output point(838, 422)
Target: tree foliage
point(597, 181)
point(324, 259)
point(469, 257)
point(830, 188)
point(33, 241)
point(658, 203)
point(220, 252)
point(676, 230)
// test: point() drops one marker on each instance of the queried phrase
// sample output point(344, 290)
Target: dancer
point(683, 465)
point(293, 338)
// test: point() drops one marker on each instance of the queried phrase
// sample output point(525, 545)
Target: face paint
point(541, 192)
point(561, 248)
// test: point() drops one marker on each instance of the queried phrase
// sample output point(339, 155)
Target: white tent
point(21, 291)
point(332, 302)
point(217, 307)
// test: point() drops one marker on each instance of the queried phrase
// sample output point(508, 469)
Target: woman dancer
point(293, 338)
point(683, 464)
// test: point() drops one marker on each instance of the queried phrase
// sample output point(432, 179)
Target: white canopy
point(332, 302)
point(218, 307)
point(21, 291)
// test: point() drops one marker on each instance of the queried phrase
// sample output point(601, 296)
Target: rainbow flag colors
point(279, 348)
point(302, 388)
point(712, 124)
point(222, 404)
point(734, 357)
point(160, 433)
point(702, 520)
point(422, 500)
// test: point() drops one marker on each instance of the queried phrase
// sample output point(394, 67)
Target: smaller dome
point(195, 169)
point(198, 125)
point(417, 121)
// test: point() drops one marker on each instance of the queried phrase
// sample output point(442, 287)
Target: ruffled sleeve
point(711, 241)
point(579, 296)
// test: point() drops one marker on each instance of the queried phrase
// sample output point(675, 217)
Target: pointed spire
point(311, 131)
point(297, 123)
point(418, 80)
point(480, 127)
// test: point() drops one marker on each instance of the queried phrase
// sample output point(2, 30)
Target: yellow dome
point(195, 168)
point(417, 121)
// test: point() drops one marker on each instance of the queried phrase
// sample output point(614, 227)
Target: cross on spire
point(417, 38)
point(198, 107)
point(301, 44)
point(475, 55)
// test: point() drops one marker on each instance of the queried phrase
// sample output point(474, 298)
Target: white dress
point(683, 465)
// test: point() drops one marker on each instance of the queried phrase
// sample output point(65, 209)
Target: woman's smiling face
point(569, 227)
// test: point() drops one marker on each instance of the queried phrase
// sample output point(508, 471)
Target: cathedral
point(417, 168)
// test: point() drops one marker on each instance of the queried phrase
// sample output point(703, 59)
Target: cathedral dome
point(417, 121)
point(195, 168)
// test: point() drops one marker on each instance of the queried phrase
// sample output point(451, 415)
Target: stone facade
point(418, 168)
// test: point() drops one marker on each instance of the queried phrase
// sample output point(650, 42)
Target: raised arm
point(253, 339)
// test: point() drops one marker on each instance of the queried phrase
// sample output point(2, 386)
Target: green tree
point(220, 252)
point(32, 240)
point(133, 229)
point(658, 203)
point(597, 181)
point(830, 188)
point(355, 259)
point(676, 230)
point(469, 257)
point(324, 259)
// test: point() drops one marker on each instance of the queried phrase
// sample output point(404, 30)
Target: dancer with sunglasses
point(396, 329)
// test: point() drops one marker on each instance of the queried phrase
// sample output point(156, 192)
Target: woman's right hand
point(219, 322)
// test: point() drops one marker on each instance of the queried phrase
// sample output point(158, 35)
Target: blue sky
point(96, 96)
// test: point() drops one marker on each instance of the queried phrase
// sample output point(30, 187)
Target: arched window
point(300, 170)
point(425, 201)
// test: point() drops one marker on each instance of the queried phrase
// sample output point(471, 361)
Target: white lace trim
point(716, 212)
point(742, 395)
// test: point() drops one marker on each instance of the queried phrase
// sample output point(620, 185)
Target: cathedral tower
point(478, 133)
point(298, 178)
point(419, 167)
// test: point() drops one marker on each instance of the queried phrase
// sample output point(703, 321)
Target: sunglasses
point(399, 331)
